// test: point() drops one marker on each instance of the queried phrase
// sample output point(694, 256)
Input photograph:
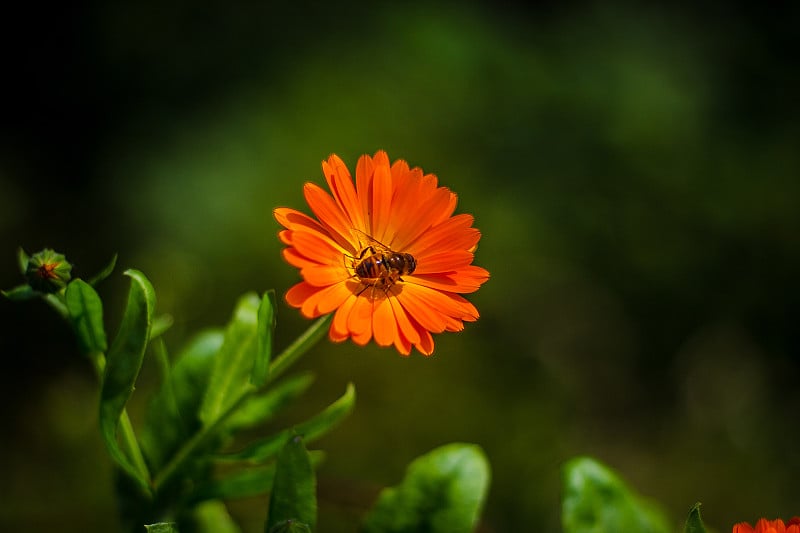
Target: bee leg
point(370, 286)
point(381, 283)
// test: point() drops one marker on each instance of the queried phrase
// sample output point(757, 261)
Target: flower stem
point(300, 346)
point(185, 453)
point(56, 301)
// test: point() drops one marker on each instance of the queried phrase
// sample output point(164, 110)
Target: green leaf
point(20, 293)
point(103, 274)
point(86, 314)
point(310, 430)
point(443, 492)
point(230, 378)
point(162, 527)
point(259, 409)
point(244, 483)
point(212, 517)
point(290, 526)
point(122, 368)
point(266, 329)
point(172, 413)
point(294, 491)
point(694, 523)
point(597, 500)
point(161, 323)
point(22, 260)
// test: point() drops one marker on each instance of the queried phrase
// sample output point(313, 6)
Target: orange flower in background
point(386, 254)
point(769, 526)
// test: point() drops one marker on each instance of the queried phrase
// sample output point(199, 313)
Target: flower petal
point(295, 220)
point(299, 293)
point(362, 338)
point(404, 324)
point(334, 297)
point(382, 190)
point(325, 300)
point(445, 210)
point(454, 234)
point(339, 323)
point(335, 336)
point(402, 344)
point(444, 302)
point(359, 321)
point(296, 259)
point(364, 171)
point(401, 175)
point(324, 275)
point(341, 185)
point(318, 247)
point(425, 344)
point(428, 317)
point(384, 324)
point(466, 280)
point(285, 236)
point(329, 213)
point(449, 261)
point(418, 219)
point(407, 198)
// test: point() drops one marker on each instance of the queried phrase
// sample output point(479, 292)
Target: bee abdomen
point(372, 267)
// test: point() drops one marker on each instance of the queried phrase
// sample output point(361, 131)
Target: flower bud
point(48, 271)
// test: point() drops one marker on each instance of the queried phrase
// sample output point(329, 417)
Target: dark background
point(634, 171)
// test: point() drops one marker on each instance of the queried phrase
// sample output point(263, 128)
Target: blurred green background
point(634, 171)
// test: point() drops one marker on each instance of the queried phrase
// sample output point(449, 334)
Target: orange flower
point(769, 526)
point(387, 255)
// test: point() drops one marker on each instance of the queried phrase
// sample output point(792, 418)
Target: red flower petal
point(450, 261)
point(359, 322)
point(324, 275)
point(300, 293)
point(341, 185)
point(384, 323)
point(382, 191)
point(404, 324)
point(329, 213)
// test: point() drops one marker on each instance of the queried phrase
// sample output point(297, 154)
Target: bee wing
point(373, 240)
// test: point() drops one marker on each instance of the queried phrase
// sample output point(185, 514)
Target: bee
point(378, 266)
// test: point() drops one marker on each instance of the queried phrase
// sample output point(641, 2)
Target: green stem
point(279, 365)
point(130, 445)
point(300, 346)
point(56, 301)
point(197, 441)
point(98, 360)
